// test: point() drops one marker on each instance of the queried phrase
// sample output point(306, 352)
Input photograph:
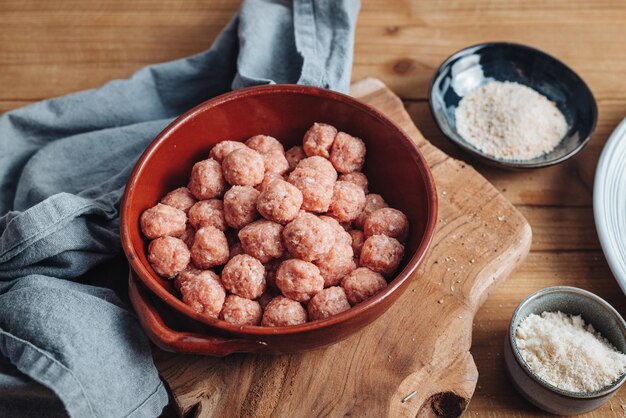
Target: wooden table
point(49, 48)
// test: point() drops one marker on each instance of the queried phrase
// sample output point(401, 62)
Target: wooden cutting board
point(421, 344)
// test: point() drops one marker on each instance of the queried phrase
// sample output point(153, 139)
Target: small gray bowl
point(572, 301)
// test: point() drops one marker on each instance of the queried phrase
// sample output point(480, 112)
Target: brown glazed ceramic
point(172, 338)
point(394, 167)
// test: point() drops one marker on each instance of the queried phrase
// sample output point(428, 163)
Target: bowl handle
point(183, 342)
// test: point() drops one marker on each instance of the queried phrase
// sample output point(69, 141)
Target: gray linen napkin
point(63, 166)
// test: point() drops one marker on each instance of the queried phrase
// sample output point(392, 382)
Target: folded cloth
point(63, 167)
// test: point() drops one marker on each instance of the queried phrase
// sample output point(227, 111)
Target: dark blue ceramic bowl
point(477, 65)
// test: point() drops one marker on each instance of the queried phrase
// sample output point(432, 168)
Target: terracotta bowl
point(394, 166)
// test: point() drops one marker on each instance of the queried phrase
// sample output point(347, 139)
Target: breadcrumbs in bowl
point(567, 307)
point(167, 163)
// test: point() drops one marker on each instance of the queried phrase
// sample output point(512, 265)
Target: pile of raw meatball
point(261, 236)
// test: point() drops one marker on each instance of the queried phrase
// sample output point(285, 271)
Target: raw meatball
point(294, 155)
point(210, 248)
point(327, 303)
point(168, 256)
point(308, 238)
point(282, 312)
point(348, 201)
point(299, 280)
point(267, 179)
point(240, 206)
point(204, 293)
point(275, 162)
point(373, 202)
point(358, 238)
point(280, 202)
point(266, 297)
point(316, 188)
point(221, 150)
point(336, 263)
point(272, 152)
point(264, 144)
point(347, 153)
point(244, 276)
point(262, 239)
point(243, 167)
point(319, 164)
point(382, 254)
point(162, 220)
point(387, 221)
point(206, 180)
point(362, 284)
point(235, 249)
point(358, 178)
point(241, 311)
point(188, 236)
point(188, 273)
point(341, 235)
point(180, 198)
point(319, 139)
point(208, 213)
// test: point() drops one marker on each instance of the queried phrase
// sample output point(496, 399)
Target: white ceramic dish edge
point(609, 202)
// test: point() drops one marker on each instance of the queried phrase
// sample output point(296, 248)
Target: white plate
point(609, 202)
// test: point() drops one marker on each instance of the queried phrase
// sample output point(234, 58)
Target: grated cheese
point(567, 353)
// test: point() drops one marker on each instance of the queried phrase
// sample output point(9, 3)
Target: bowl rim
point(512, 164)
point(601, 203)
point(524, 366)
point(399, 279)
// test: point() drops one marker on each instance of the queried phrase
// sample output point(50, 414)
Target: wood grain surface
point(53, 47)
